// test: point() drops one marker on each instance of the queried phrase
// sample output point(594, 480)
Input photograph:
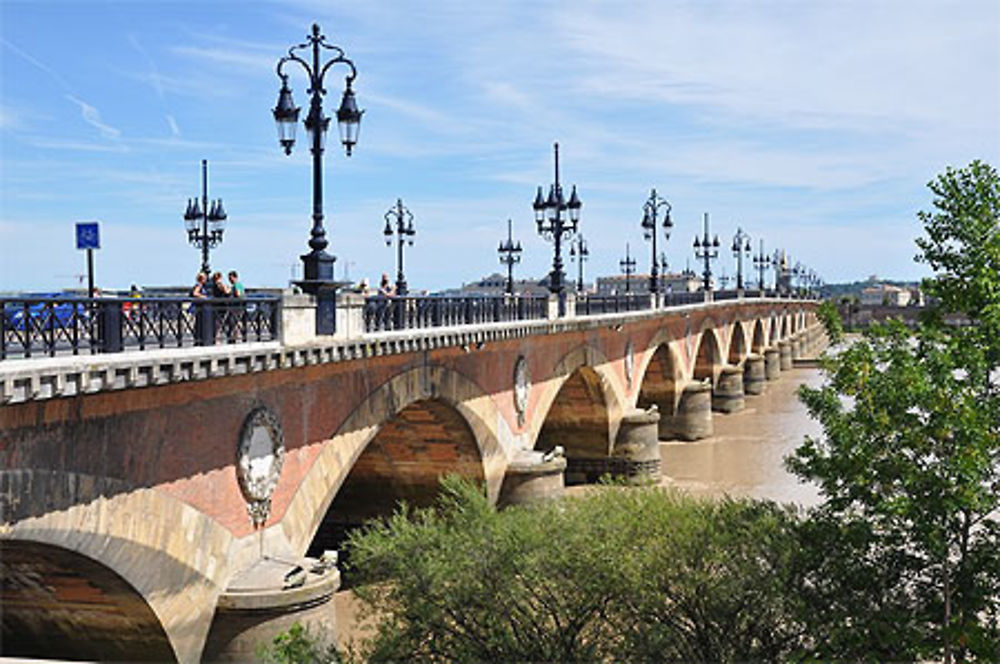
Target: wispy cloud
point(175, 131)
point(93, 117)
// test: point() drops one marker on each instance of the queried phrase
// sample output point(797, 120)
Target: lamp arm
point(291, 57)
point(340, 58)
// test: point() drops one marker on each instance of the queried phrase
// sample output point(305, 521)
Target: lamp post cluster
point(317, 264)
point(650, 213)
point(707, 250)
point(741, 248)
point(557, 218)
point(404, 233)
point(627, 266)
point(207, 234)
point(510, 255)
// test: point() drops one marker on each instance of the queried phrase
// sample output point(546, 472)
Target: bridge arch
point(737, 344)
point(708, 357)
point(661, 381)
point(142, 545)
point(583, 378)
point(773, 337)
point(102, 616)
point(759, 337)
point(433, 390)
point(784, 327)
point(404, 461)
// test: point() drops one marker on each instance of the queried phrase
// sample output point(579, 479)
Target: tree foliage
point(618, 575)
point(909, 463)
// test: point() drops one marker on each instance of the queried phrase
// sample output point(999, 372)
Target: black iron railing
point(57, 326)
point(590, 305)
point(407, 313)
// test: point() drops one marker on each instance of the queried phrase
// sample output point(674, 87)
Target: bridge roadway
point(160, 505)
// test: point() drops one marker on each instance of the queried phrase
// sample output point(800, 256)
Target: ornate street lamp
point(207, 234)
point(706, 249)
point(553, 226)
point(779, 264)
point(317, 264)
point(510, 255)
point(579, 252)
point(627, 266)
point(650, 211)
point(761, 262)
point(741, 248)
point(404, 232)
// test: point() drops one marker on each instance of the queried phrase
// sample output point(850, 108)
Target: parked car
point(45, 312)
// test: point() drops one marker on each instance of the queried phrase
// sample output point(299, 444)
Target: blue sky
point(813, 125)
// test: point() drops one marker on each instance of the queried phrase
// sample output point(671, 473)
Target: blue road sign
point(87, 235)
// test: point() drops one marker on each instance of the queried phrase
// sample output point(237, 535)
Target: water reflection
point(744, 457)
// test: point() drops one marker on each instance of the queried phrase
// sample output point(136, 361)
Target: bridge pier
point(796, 345)
point(694, 412)
point(636, 455)
point(531, 477)
point(754, 374)
point(772, 363)
point(785, 354)
point(727, 397)
point(265, 600)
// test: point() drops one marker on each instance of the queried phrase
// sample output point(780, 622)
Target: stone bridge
point(175, 505)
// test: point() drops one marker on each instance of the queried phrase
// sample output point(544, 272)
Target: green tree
point(617, 575)
point(906, 556)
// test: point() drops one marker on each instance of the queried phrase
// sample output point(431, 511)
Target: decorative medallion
point(522, 385)
point(629, 363)
point(259, 457)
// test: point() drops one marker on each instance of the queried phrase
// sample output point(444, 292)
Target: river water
point(744, 456)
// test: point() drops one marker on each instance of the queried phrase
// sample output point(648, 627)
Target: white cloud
point(93, 117)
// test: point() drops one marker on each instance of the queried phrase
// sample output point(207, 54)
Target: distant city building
point(887, 295)
point(495, 284)
point(639, 283)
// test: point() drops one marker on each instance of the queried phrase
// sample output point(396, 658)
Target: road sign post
point(88, 236)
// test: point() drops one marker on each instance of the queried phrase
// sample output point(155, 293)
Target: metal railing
point(590, 305)
point(57, 326)
point(406, 313)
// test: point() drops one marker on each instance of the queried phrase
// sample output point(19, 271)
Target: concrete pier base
point(797, 344)
point(754, 375)
point(694, 412)
point(265, 600)
point(772, 363)
point(727, 397)
point(636, 455)
point(785, 354)
point(533, 476)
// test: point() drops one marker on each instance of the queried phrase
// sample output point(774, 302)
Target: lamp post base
point(317, 268)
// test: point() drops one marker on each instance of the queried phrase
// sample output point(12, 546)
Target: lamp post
point(650, 211)
point(761, 262)
point(627, 266)
point(706, 249)
point(741, 248)
point(779, 265)
point(317, 264)
point(510, 255)
point(404, 233)
point(208, 234)
point(579, 252)
point(552, 226)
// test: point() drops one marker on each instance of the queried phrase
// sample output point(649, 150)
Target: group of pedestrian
point(218, 287)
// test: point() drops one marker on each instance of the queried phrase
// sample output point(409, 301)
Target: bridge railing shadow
point(50, 326)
